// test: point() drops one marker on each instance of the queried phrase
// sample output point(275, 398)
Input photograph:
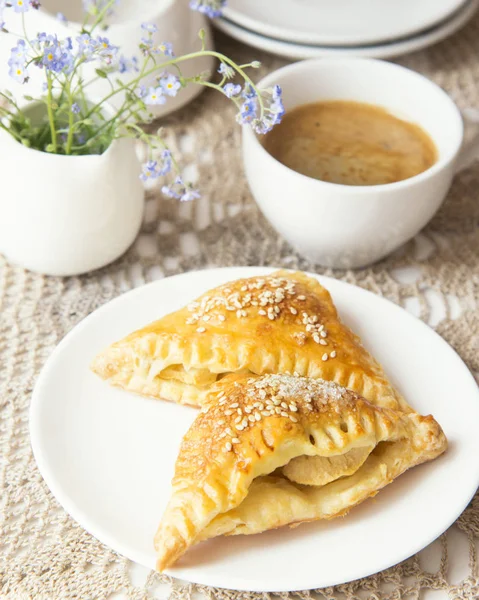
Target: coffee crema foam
point(350, 143)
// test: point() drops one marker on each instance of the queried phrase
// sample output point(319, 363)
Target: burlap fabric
point(44, 554)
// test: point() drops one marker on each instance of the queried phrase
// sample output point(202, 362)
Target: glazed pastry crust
point(228, 477)
point(282, 323)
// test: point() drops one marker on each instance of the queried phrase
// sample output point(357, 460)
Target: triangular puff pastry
point(240, 461)
point(284, 322)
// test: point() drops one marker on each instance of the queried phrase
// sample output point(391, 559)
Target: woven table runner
point(44, 554)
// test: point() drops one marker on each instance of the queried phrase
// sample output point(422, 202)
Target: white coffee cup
point(343, 226)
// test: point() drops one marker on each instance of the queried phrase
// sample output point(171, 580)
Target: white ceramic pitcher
point(66, 215)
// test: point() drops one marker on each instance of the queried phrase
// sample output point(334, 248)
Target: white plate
point(387, 50)
point(108, 456)
point(339, 23)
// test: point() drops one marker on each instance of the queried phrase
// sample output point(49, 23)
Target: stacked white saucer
point(369, 28)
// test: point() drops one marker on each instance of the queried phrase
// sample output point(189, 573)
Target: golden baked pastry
point(233, 473)
point(281, 323)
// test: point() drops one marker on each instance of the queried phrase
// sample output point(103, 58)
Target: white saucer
point(385, 50)
point(339, 23)
point(108, 456)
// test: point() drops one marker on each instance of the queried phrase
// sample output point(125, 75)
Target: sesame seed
point(316, 338)
point(265, 413)
point(228, 412)
point(239, 427)
point(323, 342)
point(293, 408)
point(262, 312)
point(238, 419)
point(200, 330)
point(221, 317)
point(284, 405)
point(221, 422)
point(251, 418)
point(284, 413)
point(293, 418)
point(325, 356)
point(247, 409)
point(234, 405)
point(333, 354)
point(301, 297)
point(257, 416)
point(228, 430)
point(323, 333)
point(235, 440)
point(277, 410)
point(293, 311)
point(228, 446)
point(206, 318)
point(221, 394)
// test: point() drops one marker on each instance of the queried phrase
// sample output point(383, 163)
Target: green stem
point(14, 134)
point(125, 106)
point(179, 59)
point(71, 117)
point(101, 16)
point(51, 117)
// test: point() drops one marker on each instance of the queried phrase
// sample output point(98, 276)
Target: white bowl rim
point(305, 65)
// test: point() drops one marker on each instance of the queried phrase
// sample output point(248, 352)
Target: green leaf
point(29, 98)
point(101, 73)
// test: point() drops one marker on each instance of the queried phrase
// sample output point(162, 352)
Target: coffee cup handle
point(470, 147)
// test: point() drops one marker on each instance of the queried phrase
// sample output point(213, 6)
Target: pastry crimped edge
point(223, 480)
point(255, 344)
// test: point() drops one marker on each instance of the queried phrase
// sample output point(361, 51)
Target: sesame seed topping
point(228, 446)
point(200, 330)
point(221, 317)
point(325, 356)
point(235, 440)
point(332, 354)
